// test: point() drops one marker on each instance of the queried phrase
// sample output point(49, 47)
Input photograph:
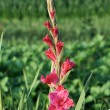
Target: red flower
point(59, 88)
point(60, 100)
point(48, 25)
point(55, 31)
point(48, 41)
point(52, 107)
point(59, 46)
point(67, 66)
point(50, 54)
point(50, 79)
point(52, 14)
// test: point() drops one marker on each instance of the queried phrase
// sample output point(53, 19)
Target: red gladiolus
point(59, 47)
point(60, 100)
point(67, 66)
point(52, 107)
point(55, 32)
point(59, 88)
point(50, 79)
point(59, 96)
point(52, 14)
point(48, 25)
point(50, 54)
point(48, 41)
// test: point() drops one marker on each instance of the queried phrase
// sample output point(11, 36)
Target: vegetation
point(35, 8)
point(86, 34)
point(91, 53)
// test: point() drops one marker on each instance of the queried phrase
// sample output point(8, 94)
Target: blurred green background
point(84, 26)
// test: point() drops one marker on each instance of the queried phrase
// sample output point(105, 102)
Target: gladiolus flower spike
point(59, 96)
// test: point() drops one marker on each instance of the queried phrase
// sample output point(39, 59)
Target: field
point(22, 59)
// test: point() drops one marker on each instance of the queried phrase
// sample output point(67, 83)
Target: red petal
point(52, 14)
point(55, 31)
point(48, 25)
point(50, 54)
point(59, 47)
point(48, 41)
point(67, 66)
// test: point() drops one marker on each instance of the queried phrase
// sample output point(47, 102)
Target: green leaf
point(37, 103)
point(21, 103)
point(0, 100)
point(25, 79)
point(34, 81)
point(83, 93)
point(89, 99)
point(3, 84)
point(1, 39)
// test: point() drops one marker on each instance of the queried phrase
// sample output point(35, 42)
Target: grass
point(0, 100)
point(23, 51)
point(35, 8)
point(78, 29)
point(81, 101)
point(1, 41)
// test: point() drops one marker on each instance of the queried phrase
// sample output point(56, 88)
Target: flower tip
point(47, 24)
point(48, 41)
point(52, 14)
point(46, 38)
point(55, 31)
point(67, 66)
point(59, 46)
point(50, 54)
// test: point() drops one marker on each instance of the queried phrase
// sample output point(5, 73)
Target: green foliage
point(0, 100)
point(86, 42)
point(35, 8)
point(83, 94)
point(1, 39)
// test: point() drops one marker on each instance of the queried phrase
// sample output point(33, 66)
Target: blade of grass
point(80, 101)
point(12, 99)
point(83, 105)
point(83, 93)
point(25, 79)
point(34, 81)
point(0, 60)
point(0, 100)
point(1, 39)
point(37, 103)
point(21, 103)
